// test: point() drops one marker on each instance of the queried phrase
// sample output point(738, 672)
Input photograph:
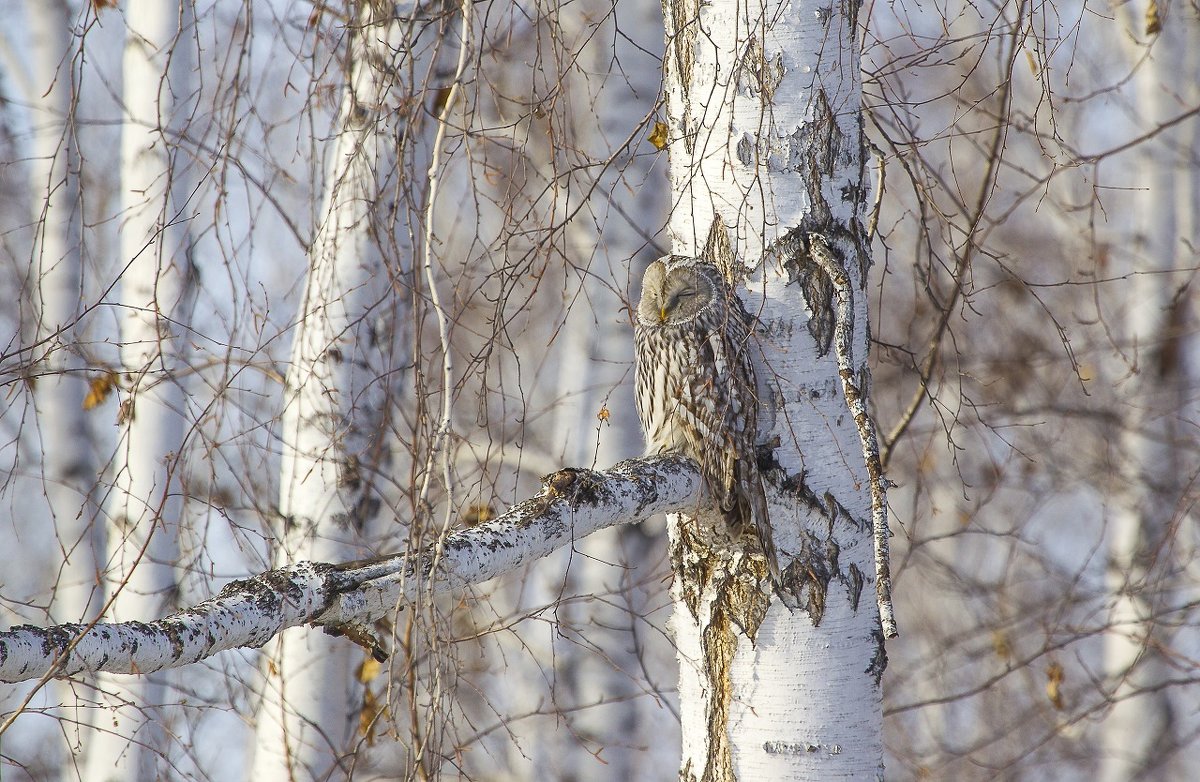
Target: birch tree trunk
point(767, 173)
point(1137, 732)
point(334, 410)
point(69, 466)
point(144, 505)
point(68, 459)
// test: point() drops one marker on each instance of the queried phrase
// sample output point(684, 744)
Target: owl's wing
point(659, 392)
point(716, 413)
point(644, 395)
point(745, 502)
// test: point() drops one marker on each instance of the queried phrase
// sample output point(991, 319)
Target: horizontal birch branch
point(247, 613)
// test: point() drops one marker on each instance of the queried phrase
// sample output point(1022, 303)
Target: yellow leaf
point(658, 136)
point(368, 717)
point(98, 390)
point(1054, 679)
point(478, 513)
point(1001, 645)
point(1153, 20)
point(372, 706)
point(439, 100)
point(604, 414)
point(369, 669)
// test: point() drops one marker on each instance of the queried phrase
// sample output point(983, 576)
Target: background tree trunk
point(1152, 369)
point(145, 504)
point(69, 462)
point(603, 586)
point(1033, 350)
point(336, 402)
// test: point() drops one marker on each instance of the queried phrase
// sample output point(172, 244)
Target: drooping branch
point(854, 392)
point(572, 504)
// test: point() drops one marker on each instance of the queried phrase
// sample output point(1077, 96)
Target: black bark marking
point(879, 660)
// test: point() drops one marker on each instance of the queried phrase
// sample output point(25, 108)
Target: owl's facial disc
point(675, 298)
point(685, 294)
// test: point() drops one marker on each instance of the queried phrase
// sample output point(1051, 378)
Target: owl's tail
point(751, 511)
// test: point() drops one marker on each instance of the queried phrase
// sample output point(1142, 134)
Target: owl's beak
point(662, 315)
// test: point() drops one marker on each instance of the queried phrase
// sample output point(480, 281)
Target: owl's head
point(676, 290)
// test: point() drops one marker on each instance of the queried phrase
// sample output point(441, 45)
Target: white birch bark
point(67, 446)
point(333, 411)
point(1137, 732)
point(68, 456)
point(764, 105)
point(144, 504)
point(248, 613)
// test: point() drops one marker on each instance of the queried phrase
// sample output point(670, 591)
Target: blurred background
point(1035, 179)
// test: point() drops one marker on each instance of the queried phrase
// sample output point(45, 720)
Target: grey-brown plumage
point(696, 390)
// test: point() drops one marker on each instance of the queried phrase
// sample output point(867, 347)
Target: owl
point(696, 391)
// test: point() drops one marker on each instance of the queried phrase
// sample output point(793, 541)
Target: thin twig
point(443, 319)
point(963, 263)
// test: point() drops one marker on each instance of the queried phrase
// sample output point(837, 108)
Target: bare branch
point(571, 505)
